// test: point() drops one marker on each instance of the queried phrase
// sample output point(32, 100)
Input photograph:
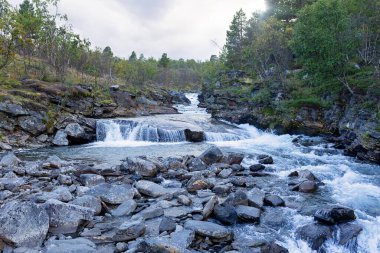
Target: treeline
point(335, 42)
point(44, 44)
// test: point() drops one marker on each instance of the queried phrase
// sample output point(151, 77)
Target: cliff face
point(349, 122)
point(35, 113)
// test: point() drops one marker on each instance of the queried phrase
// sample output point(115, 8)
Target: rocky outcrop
point(350, 122)
point(37, 114)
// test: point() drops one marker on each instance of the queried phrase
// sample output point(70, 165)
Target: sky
point(180, 28)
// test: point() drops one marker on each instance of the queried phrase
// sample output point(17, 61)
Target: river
point(347, 181)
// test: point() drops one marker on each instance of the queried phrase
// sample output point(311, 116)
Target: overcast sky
point(181, 28)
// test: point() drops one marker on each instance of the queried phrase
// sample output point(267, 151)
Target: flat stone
point(23, 224)
point(167, 224)
point(77, 245)
point(247, 213)
point(128, 231)
point(89, 202)
point(274, 200)
point(150, 189)
point(91, 179)
point(125, 208)
point(209, 229)
point(256, 198)
point(225, 173)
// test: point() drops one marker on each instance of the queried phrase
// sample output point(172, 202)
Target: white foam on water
point(127, 143)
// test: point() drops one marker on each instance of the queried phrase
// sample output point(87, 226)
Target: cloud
point(181, 28)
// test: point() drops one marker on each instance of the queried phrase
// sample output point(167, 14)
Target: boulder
point(233, 158)
point(334, 215)
point(306, 186)
point(91, 179)
point(89, 202)
point(167, 224)
point(237, 198)
point(23, 224)
point(196, 164)
point(265, 159)
point(140, 167)
point(65, 218)
point(194, 136)
point(179, 98)
point(273, 248)
point(125, 208)
point(211, 155)
point(209, 229)
point(77, 245)
point(274, 200)
point(247, 213)
point(348, 232)
point(13, 109)
point(314, 234)
point(60, 138)
point(225, 214)
point(150, 189)
point(256, 167)
point(32, 125)
point(112, 193)
point(256, 198)
point(10, 160)
point(76, 134)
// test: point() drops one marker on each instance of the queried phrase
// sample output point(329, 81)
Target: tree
point(107, 60)
point(6, 36)
point(164, 61)
point(286, 10)
point(133, 57)
point(323, 42)
point(235, 40)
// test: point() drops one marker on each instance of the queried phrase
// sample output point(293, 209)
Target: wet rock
point(89, 202)
point(196, 164)
point(23, 224)
point(209, 207)
point(194, 136)
point(183, 199)
point(60, 138)
point(348, 232)
point(314, 234)
point(125, 208)
point(256, 198)
point(127, 231)
point(91, 179)
point(212, 230)
point(256, 167)
point(335, 215)
point(140, 167)
point(211, 155)
point(273, 248)
point(247, 213)
point(225, 173)
point(77, 245)
point(167, 224)
point(265, 159)
point(111, 193)
point(233, 158)
point(32, 125)
point(274, 200)
point(10, 160)
point(150, 189)
point(65, 218)
point(306, 186)
point(225, 214)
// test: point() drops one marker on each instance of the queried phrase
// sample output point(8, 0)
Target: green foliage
point(164, 61)
point(235, 40)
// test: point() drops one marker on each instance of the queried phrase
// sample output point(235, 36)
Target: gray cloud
point(181, 28)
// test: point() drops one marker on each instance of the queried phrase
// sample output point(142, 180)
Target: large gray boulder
point(32, 125)
point(13, 109)
point(76, 134)
point(23, 224)
point(10, 160)
point(111, 193)
point(140, 167)
point(60, 138)
point(209, 229)
point(65, 218)
point(150, 189)
point(211, 155)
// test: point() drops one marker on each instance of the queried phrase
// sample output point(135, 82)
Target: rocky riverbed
point(162, 204)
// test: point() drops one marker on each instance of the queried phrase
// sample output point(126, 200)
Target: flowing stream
point(348, 182)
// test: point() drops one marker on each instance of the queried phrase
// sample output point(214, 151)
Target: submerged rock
point(314, 234)
point(23, 224)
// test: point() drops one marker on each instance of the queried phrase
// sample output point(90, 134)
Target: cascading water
point(347, 182)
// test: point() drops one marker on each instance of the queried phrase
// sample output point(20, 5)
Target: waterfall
point(128, 130)
point(219, 137)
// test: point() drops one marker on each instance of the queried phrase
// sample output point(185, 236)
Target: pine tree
point(235, 40)
point(133, 57)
